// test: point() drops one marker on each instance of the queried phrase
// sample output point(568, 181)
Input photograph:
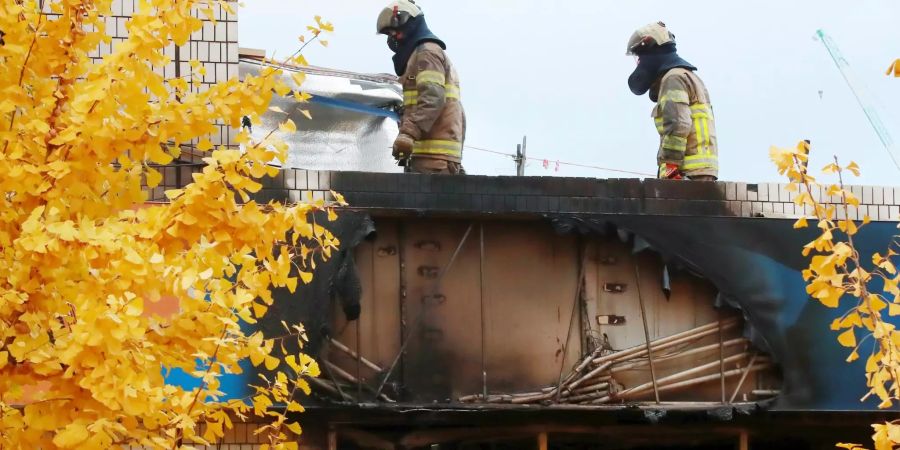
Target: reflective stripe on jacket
point(433, 113)
point(686, 125)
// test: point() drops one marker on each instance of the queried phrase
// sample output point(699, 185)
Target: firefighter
point(683, 113)
point(433, 124)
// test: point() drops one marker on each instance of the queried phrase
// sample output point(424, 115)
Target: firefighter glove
point(670, 172)
point(403, 146)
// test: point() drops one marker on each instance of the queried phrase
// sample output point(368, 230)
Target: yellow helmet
point(396, 14)
point(648, 36)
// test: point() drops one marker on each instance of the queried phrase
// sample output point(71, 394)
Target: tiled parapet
point(548, 195)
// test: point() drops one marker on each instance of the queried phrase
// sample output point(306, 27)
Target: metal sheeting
point(352, 126)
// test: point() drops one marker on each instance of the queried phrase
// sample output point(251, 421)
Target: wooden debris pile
point(343, 386)
point(594, 380)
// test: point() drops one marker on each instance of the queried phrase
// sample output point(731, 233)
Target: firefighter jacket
point(687, 129)
point(433, 114)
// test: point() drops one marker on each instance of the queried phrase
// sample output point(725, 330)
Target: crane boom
point(860, 93)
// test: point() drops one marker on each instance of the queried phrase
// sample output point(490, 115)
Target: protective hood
point(415, 32)
point(652, 65)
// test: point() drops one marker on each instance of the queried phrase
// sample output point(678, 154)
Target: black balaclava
point(415, 32)
point(653, 64)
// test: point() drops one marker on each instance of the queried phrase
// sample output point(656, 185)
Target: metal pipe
point(340, 346)
point(743, 378)
point(721, 355)
point(403, 292)
point(483, 318)
point(666, 342)
point(681, 375)
point(575, 307)
point(699, 380)
point(421, 313)
point(359, 363)
point(340, 391)
point(329, 388)
point(637, 283)
point(350, 378)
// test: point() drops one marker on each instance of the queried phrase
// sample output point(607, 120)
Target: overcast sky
point(557, 71)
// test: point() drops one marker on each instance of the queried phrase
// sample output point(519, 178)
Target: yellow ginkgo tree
point(83, 258)
point(839, 276)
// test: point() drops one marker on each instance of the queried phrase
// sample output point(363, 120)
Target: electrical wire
point(537, 158)
point(561, 163)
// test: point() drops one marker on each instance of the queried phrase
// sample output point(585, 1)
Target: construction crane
point(860, 93)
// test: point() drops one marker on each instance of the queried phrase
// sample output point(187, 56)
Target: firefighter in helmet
point(433, 124)
point(683, 113)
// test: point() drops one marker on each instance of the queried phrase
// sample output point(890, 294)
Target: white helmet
point(396, 14)
point(647, 36)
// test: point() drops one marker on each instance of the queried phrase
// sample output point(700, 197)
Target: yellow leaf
point(292, 284)
point(876, 303)
point(300, 60)
point(188, 278)
point(294, 407)
point(135, 307)
point(71, 436)
point(153, 177)
point(306, 114)
point(259, 310)
point(298, 77)
point(272, 362)
point(853, 357)
point(306, 277)
point(801, 223)
point(324, 43)
point(851, 321)
point(294, 427)
point(339, 198)
point(893, 309)
point(257, 358)
point(65, 230)
point(287, 126)
point(282, 89)
point(302, 97)
point(204, 145)
point(847, 338)
point(894, 69)
point(853, 167)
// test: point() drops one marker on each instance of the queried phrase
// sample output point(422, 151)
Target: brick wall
point(548, 195)
point(240, 437)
